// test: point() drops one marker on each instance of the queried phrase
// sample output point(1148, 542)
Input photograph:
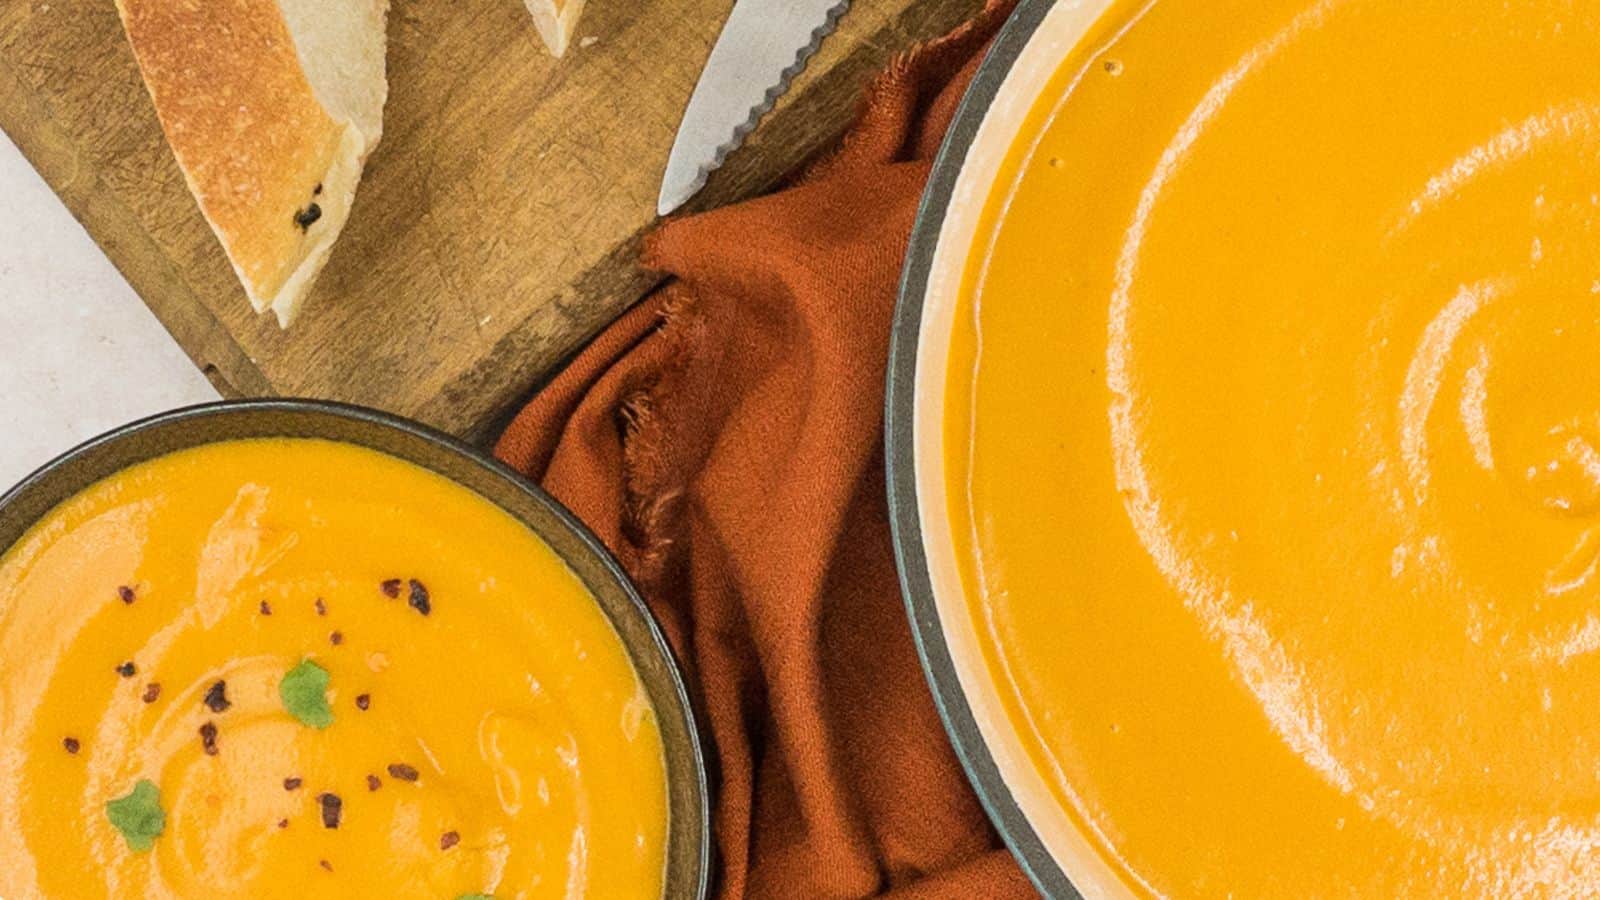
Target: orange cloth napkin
point(724, 439)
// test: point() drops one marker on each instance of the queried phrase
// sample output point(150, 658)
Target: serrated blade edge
point(765, 42)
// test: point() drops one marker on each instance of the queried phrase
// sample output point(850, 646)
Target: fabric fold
point(724, 439)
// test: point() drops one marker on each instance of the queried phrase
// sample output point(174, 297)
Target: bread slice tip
point(557, 21)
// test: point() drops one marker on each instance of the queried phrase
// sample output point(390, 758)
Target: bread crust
point(245, 124)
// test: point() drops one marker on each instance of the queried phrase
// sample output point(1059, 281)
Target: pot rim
point(905, 513)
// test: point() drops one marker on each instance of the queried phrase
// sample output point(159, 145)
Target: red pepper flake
point(127, 670)
point(283, 823)
point(391, 588)
point(403, 772)
point(307, 217)
point(208, 738)
point(152, 692)
point(266, 608)
point(419, 597)
point(325, 864)
point(70, 744)
point(322, 608)
point(216, 698)
point(336, 638)
point(449, 839)
point(363, 701)
point(373, 783)
point(332, 807)
point(292, 784)
point(127, 595)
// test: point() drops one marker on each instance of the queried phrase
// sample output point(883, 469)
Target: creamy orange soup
point(1273, 443)
point(293, 668)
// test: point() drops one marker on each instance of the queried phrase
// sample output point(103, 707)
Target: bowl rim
point(698, 775)
point(905, 515)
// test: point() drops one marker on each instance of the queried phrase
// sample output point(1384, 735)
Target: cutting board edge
point(135, 254)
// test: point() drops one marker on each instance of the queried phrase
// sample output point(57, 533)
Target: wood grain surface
point(499, 222)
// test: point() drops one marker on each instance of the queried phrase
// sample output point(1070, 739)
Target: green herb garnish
point(138, 816)
point(305, 694)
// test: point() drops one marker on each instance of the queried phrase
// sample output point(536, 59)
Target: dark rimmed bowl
point(689, 836)
point(1037, 33)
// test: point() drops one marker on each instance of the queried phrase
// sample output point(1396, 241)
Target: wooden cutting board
point(500, 219)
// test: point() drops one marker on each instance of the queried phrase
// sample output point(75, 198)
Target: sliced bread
point(271, 108)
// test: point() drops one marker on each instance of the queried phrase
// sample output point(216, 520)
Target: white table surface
point(79, 352)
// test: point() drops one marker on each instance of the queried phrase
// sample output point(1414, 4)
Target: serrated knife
point(763, 46)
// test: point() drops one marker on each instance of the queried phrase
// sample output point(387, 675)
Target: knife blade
point(763, 46)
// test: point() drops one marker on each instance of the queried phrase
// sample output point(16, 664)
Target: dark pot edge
point(904, 514)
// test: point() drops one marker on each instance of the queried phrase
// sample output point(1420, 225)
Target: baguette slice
point(271, 108)
point(556, 21)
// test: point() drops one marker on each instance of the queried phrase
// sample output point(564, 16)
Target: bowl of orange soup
point(293, 649)
point(1244, 438)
